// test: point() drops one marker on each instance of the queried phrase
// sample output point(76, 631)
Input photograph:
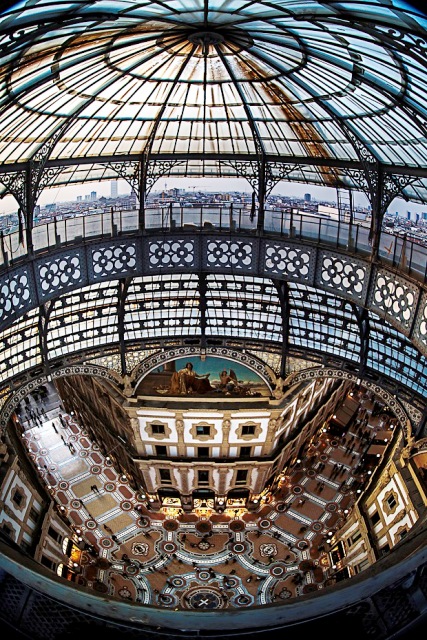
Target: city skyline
point(70, 193)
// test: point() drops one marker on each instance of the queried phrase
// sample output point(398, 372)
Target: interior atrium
point(213, 414)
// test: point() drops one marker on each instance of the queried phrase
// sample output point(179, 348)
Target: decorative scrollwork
point(156, 169)
point(129, 171)
point(248, 169)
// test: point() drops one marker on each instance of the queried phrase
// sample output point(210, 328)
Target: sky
point(327, 194)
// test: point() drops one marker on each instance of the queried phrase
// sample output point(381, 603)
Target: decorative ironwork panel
point(419, 335)
point(171, 254)
point(63, 272)
point(394, 298)
point(343, 273)
point(289, 260)
point(239, 255)
point(116, 259)
point(17, 294)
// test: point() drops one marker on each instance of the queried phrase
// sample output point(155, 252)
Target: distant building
point(114, 189)
point(93, 195)
point(79, 198)
point(307, 197)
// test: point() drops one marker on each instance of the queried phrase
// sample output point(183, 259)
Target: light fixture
point(220, 501)
point(378, 455)
point(108, 458)
point(334, 416)
point(369, 473)
point(75, 564)
point(79, 538)
point(345, 510)
point(151, 500)
point(255, 501)
point(78, 531)
point(359, 491)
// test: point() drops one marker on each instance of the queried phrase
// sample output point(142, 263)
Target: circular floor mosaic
point(242, 600)
point(316, 526)
point(297, 489)
point(170, 525)
point(110, 486)
point(83, 453)
point(331, 506)
point(106, 543)
point(277, 570)
point(265, 524)
point(205, 599)
point(95, 470)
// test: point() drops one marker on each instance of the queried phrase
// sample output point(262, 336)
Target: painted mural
point(210, 377)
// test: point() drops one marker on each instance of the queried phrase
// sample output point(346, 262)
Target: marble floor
point(184, 560)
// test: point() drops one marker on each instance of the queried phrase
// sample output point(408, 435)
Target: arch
point(399, 411)
point(83, 370)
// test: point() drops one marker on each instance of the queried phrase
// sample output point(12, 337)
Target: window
point(203, 452)
point(241, 476)
point(361, 566)
point(375, 517)
point(203, 477)
point(48, 563)
point(248, 430)
point(165, 476)
point(34, 515)
point(354, 538)
point(391, 501)
point(158, 429)
point(385, 549)
point(54, 534)
point(161, 450)
point(7, 530)
point(245, 451)
point(18, 497)
point(203, 430)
